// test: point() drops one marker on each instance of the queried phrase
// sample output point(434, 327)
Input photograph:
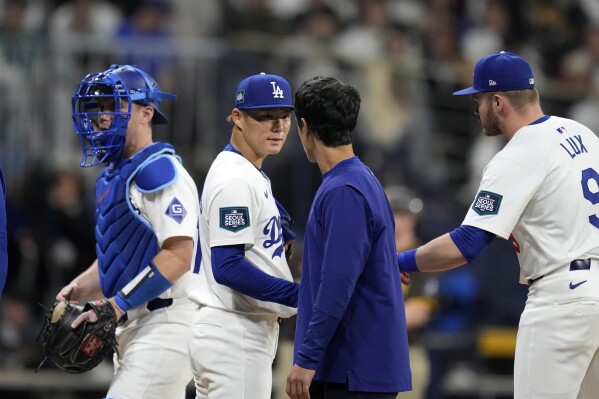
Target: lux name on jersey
point(573, 146)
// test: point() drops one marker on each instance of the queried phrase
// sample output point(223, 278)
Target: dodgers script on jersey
point(237, 207)
point(524, 190)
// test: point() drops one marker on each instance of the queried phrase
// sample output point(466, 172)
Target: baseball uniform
point(541, 192)
point(147, 365)
point(237, 207)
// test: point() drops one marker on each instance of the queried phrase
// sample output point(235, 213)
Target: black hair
point(330, 108)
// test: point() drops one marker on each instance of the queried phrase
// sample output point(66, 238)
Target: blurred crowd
point(405, 56)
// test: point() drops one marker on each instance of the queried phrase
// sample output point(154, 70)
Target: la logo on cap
point(277, 92)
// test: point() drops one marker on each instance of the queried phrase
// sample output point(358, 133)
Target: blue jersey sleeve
point(471, 241)
point(230, 268)
point(348, 235)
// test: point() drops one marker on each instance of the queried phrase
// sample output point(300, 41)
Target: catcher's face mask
point(101, 110)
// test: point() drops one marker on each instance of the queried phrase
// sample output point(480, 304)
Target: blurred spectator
point(19, 327)
point(451, 336)
point(420, 296)
point(445, 70)
point(254, 20)
point(147, 40)
point(193, 18)
point(555, 28)
point(488, 33)
point(23, 252)
point(310, 48)
point(398, 139)
point(364, 39)
point(96, 20)
point(19, 42)
point(579, 68)
point(69, 244)
point(585, 110)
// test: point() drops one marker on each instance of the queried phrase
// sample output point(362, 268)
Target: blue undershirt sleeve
point(471, 241)
point(231, 268)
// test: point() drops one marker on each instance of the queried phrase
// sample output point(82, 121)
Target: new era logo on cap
point(263, 91)
point(500, 72)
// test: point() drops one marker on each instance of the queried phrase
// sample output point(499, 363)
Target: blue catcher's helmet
point(111, 93)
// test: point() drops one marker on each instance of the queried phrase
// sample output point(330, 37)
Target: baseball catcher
point(79, 349)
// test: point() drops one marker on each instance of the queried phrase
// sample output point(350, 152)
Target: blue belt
point(159, 303)
point(580, 264)
point(576, 264)
point(154, 304)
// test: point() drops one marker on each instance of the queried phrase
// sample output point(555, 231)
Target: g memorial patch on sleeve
point(487, 203)
point(176, 211)
point(234, 218)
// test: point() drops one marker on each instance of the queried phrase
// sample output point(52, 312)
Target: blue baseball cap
point(500, 72)
point(263, 91)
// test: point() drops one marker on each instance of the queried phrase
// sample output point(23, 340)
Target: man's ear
point(148, 112)
point(236, 118)
point(497, 102)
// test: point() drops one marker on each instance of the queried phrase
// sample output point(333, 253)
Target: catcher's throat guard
point(84, 347)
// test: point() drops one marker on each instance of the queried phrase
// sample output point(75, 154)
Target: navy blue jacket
point(351, 318)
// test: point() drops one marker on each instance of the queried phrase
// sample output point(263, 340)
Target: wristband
point(406, 261)
point(147, 285)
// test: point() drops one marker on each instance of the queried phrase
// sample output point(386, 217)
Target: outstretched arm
point(446, 252)
point(439, 254)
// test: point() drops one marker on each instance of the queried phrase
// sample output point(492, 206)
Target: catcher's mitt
point(83, 348)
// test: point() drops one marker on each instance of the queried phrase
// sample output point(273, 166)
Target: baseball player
point(541, 191)
point(147, 211)
point(3, 238)
point(245, 282)
point(351, 337)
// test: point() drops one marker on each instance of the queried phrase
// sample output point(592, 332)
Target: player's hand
point(69, 293)
point(298, 382)
point(405, 278)
point(92, 316)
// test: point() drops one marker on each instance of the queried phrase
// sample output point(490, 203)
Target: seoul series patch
point(176, 211)
point(487, 203)
point(234, 218)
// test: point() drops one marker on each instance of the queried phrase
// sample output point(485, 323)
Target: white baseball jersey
point(172, 211)
point(148, 365)
point(542, 192)
point(237, 207)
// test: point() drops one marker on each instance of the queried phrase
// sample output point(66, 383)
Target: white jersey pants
point(153, 361)
point(232, 354)
point(557, 349)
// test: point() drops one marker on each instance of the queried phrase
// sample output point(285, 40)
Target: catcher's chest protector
point(125, 242)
